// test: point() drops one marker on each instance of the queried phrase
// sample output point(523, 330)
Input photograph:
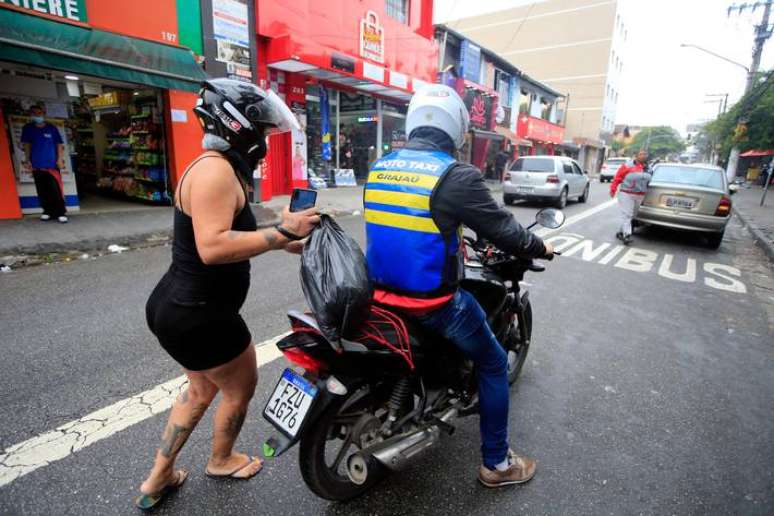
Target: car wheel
point(508, 199)
point(561, 202)
point(585, 196)
point(715, 239)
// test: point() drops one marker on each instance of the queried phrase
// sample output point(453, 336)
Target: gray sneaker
point(521, 470)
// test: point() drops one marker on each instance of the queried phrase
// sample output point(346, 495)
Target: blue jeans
point(463, 322)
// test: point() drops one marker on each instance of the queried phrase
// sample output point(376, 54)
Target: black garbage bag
point(334, 278)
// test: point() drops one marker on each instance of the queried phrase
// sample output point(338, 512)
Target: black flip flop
point(147, 502)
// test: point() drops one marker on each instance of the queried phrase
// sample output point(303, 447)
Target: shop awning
point(757, 153)
point(296, 54)
point(487, 135)
point(36, 41)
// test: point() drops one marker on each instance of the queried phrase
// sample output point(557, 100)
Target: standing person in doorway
point(633, 179)
point(194, 309)
point(45, 152)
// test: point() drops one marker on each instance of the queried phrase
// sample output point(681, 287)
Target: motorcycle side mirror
point(550, 218)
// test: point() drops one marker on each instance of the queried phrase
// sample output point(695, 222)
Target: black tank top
point(186, 261)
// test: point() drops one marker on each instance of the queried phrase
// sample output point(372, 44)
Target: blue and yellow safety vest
point(406, 251)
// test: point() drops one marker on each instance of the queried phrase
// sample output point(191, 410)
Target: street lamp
point(710, 52)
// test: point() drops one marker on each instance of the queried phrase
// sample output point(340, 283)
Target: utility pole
point(762, 33)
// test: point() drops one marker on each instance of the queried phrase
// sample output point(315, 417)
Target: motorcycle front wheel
point(347, 425)
point(517, 344)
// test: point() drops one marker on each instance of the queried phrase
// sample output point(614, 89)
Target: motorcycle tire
point(318, 476)
point(516, 345)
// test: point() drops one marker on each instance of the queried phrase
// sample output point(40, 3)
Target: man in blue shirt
point(45, 151)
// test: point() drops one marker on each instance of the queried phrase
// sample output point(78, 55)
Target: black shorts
point(199, 327)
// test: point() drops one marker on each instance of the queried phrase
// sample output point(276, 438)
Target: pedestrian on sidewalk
point(194, 309)
point(633, 178)
point(44, 151)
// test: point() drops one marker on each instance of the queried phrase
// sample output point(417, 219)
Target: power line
point(523, 21)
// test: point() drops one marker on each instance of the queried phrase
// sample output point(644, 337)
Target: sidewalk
point(138, 227)
point(758, 219)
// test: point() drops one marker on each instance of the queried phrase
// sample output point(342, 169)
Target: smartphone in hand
point(302, 199)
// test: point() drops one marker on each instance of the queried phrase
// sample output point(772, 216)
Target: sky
point(665, 84)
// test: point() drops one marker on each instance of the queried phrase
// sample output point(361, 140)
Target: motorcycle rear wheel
point(328, 479)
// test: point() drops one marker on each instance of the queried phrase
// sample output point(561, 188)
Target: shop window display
point(114, 140)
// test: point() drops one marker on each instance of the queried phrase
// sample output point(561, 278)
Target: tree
point(660, 141)
point(757, 108)
point(617, 146)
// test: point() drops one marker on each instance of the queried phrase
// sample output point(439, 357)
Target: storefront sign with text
point(372, 38)
point(74, 10)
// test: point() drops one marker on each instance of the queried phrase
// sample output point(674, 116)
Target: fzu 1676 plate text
point(290, 402)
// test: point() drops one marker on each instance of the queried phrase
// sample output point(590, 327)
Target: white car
point(547, 178)
point(609, 168)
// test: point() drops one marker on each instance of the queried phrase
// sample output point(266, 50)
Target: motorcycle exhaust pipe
point(395, 453)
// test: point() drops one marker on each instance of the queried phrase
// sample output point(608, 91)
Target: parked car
point(547, 178)
point(609, 168)
point(688, 197)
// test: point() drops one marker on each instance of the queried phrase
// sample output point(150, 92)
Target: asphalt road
point(648, 388)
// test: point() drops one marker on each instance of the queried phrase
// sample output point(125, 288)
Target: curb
point(59, 251)
point(765, 243)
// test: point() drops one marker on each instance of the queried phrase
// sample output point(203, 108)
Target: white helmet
point(439, 106)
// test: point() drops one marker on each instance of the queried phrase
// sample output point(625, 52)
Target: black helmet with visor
point(243, 115)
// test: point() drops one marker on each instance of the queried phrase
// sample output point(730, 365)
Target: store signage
point(480, 107)
point(470, 61)
point(366, 119)
point(372, 38)
point(343, 63)
point(74, 10)
point(540, 130)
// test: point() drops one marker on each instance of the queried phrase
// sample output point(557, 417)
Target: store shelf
point(146, 180)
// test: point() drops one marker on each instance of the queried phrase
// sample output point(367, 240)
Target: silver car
point(547, 178)
point(609, 168)
point(690, 197)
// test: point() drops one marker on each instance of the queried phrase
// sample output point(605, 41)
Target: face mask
point(38, 119)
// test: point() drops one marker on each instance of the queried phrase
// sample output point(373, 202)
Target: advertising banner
point(325, 125)
point(470, 61)
point(480, 107)
point(230, 29)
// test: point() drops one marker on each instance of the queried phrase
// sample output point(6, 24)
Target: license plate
point(525, 189)
point(680, 202)
point(290, 402)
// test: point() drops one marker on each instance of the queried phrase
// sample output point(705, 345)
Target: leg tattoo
point(174, 438)
point(234, 424)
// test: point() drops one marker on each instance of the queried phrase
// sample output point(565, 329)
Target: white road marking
point(25, 457)
point(44, 449)
point(574, 219)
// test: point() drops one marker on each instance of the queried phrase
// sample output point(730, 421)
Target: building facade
point(577, 47)
point(509, 110)
point(117, 84)
point(347, 68)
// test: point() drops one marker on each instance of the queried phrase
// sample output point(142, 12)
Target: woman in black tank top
point(194, 309)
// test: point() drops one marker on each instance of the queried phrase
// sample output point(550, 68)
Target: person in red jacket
point(631, 181)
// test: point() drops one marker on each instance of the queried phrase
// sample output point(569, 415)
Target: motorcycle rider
point(416, 201)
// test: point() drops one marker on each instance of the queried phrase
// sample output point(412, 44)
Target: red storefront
point(359, 60)
point(118, 85)
point(541, 133)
